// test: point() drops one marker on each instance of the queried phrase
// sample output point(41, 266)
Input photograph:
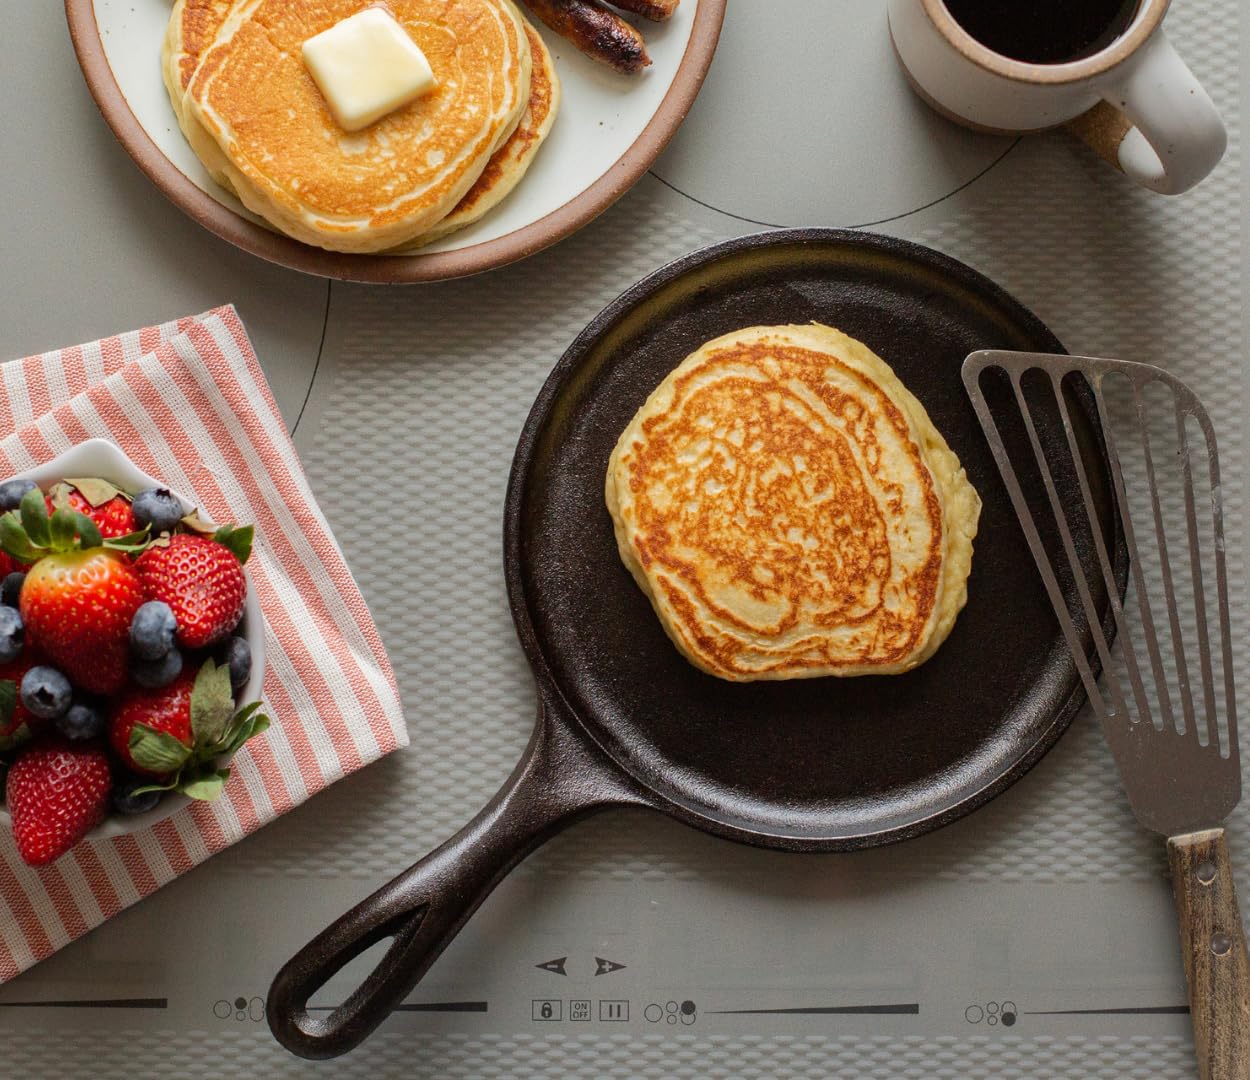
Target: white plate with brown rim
point(610, 129)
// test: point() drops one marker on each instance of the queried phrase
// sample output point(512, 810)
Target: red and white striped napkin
point(188, 403)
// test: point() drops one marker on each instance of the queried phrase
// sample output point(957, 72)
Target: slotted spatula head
point(1169, 673)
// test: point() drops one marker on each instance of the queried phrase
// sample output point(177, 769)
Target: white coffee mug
point(1135, 101)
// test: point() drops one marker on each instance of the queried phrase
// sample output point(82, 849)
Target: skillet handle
point(561, 778)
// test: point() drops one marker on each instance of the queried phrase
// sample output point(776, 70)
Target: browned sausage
point(655, 10)
point(599, 33)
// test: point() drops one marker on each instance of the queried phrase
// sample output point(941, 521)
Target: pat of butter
point(367, 66)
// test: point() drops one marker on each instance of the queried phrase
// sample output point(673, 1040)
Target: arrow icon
point(606, 967)
point(556, 967)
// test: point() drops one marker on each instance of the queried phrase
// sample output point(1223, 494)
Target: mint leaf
point(63, 528)
point(157, 751)
point(96, 491)
point(8, 701)
point(212, 704)
point(88, 533)
point(34, 515)
point(206, 788)
point(238, 540)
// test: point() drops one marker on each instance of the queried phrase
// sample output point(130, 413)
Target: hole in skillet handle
point(345, 1026)
point(560, 779)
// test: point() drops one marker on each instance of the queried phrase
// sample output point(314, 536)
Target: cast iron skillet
point(623, 720)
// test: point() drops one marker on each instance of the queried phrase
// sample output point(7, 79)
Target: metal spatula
point(1180, 780)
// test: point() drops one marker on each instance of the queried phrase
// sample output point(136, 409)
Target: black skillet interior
point(819, 764)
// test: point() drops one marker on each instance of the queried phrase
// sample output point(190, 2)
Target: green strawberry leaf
point(240, 719)
point(96, 491)
point(131, 543)
point(169, 785)
point(212, 704)
point(88, 532)
point(205, 788)
point(15, 739)
point(8, 700)
point(238, 540)
point(250, 727)
point(157, 751)
point(62, 529)
point(14, 540)
point(34, 515)
point(245, 713)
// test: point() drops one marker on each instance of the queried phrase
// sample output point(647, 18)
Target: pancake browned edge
point(193, 24)
point(291, 163)
point(508, 165)
point(791, 511)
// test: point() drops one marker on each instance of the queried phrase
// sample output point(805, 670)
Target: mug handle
point(1156, 123)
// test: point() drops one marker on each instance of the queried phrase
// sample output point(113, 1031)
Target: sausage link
point(599, 33)
point(655, 10)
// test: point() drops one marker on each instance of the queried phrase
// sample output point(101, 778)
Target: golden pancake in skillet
point(791, 511)
point(256, 118)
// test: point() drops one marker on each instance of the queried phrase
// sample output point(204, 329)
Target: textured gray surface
point(92, 248)
point(529, 1057)
point(415, 411)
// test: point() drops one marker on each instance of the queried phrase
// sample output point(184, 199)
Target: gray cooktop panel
point(418, 398)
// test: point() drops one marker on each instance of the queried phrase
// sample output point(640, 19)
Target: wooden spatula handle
point(1213, 945)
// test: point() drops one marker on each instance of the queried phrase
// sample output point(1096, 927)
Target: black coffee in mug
point(1044, 31)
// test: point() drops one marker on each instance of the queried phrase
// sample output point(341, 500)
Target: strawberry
point(113, 518)
point(8, 565)
point(167, 710)
point(57, 792)
point(201, 580)
point(176, 733)
point(77, 607)
point(79, 597)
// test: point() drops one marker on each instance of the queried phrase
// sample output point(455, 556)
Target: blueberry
point(159, 508)
point(159, 672)
point(11, 492)
point(11, 588)
point(239, 657)
point(46, 692)
point(83, 720)
point(152, 630)
point(126, 802)
point(12, 634)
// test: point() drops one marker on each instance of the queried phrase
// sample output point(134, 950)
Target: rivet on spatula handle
point(1213, 945)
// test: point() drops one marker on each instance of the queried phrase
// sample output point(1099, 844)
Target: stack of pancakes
point(791, 511)
point(255, 118)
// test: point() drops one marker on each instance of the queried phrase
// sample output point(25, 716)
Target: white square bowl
point(106, 460)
